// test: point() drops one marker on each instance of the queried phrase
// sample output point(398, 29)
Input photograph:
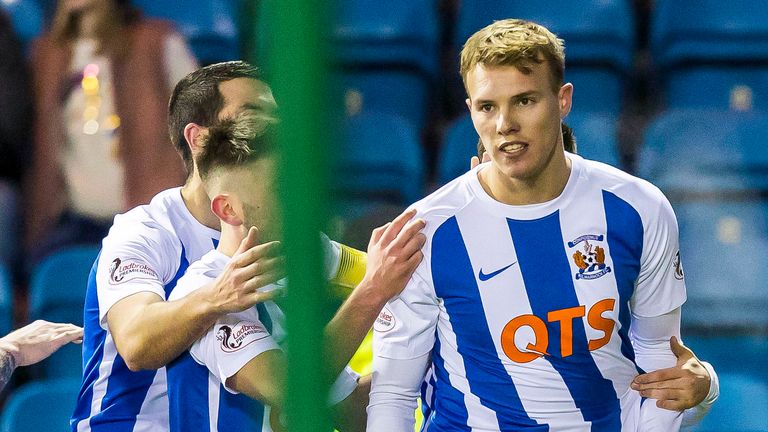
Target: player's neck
point(230, 239)
point(198, 203)
point(545, 187)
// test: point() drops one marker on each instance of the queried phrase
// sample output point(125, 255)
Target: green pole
point(296, 69)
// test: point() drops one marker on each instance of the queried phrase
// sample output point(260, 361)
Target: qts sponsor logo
point(120, 271)
point(565, 317)
point(236, 337)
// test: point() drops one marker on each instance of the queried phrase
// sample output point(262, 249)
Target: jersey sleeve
point(660, 286)
point(231, 343)
point(131, 263)
point(405, 328)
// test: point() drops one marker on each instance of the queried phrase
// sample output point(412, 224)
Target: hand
point(677, 388)
point(35, 342)
point(475, 161)
point(394, 252)
point(253, 266)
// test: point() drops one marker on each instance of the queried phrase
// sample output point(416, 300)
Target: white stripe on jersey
point(213, 401)
point(100, 386)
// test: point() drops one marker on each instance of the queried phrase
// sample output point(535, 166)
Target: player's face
point(518, 118)
point(245, 93)
point(258, 195)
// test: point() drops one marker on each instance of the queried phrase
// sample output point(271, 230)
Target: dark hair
point(236, 141)
point(196, 99)
point(569, 142)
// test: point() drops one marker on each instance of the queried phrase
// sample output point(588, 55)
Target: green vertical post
point(296, 68)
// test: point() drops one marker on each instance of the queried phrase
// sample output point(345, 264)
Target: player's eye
point(525, 101)
point(486, 107)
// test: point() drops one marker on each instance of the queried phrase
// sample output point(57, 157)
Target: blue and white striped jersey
point(199, 400)
point(147, 250)
point(524, 311)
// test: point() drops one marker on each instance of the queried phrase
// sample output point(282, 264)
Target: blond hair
point(514, 42)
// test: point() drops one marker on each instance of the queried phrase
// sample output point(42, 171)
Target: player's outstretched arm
point(150, 332)
point(34, 343)
point(394, 252)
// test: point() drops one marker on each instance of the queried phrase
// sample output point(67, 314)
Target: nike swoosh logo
point(484, 277)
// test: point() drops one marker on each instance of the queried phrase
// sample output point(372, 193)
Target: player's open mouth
point(513, 147)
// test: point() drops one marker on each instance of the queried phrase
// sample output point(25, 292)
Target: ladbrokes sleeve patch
point(123, 271)
point(385, 321)
point(233, 338)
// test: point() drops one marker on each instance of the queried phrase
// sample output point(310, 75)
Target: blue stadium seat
point(386, 55)
point(598, 34)
point(743, 382)
point(26, 16)
point(723, 247)
point(595, 139)
point(6, 301)
point(43, 406)
point(719, 46)
point(57, 293)
point(380, 161)
point(210, 26)
point(706, 151)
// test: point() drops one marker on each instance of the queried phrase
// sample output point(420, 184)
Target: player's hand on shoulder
point(677, 388)
point(394, 252)
point(253, 266)
point(35, 342)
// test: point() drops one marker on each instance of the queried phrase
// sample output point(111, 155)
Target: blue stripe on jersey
point(448, 410)
point(455, 283)
point(215, 243)
point(188, 395)
point(238, 412)
point(93, 349)
point(183, 264)
point(549, 283)
point(126, 390)
point(264, 317)
point(625, 240)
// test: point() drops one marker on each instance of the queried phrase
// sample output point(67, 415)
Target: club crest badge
point(589, 257)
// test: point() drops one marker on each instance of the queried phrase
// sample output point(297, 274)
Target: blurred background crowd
point(674, 91)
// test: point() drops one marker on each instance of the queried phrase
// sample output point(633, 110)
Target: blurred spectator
point(15, 116)
point(102, 76)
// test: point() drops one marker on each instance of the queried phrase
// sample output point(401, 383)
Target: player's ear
point(565, 99)
point(193, 134)
point(222, 207)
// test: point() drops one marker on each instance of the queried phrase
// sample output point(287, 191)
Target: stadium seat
point(595, 139)
point(43, 406)
point(706, 151)
point(26, 16)
point(210, 26)
point(743, 383)
point(380, 162)
point(598, 34)
point(6, 301)
point(723, 247)
point(57, 293)
point(716, 56)
point(386, 55)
